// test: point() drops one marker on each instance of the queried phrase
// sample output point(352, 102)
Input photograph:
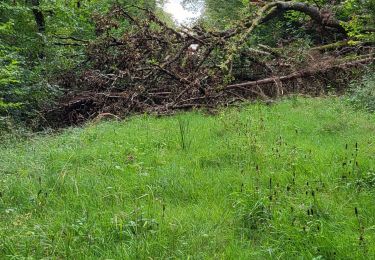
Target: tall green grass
point(291, 180)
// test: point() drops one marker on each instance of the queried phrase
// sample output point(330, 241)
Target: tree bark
point(323, 17)
point(38, 16)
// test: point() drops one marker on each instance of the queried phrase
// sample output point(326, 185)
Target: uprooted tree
point(153, 67)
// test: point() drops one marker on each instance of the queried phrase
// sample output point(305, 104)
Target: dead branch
point(300, 74)
point(152, 67)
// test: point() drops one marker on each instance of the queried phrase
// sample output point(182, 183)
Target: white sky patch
point(181, 15)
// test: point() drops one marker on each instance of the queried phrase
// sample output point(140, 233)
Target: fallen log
point(300, 74)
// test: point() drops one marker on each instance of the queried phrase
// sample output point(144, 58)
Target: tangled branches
point(152, 67)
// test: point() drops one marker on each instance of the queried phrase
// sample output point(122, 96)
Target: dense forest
point(63, 62)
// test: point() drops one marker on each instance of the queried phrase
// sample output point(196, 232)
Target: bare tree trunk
point(40, 23)
point(38, 16)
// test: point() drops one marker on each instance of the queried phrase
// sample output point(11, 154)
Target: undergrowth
point(293, 179)
point(362, 93)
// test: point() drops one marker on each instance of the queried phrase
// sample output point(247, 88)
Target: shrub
point(22, 91)
point(362, 93)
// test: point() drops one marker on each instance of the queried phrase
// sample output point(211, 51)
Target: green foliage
point(30, 59)
point(9, 76)
point(11, 73)
point(358, 19)
point(222, 13)
point(293, 180)
point(22, 89)
point(362, 93)
point(10, 69)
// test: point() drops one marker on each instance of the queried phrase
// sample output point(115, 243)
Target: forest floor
point(286, 180)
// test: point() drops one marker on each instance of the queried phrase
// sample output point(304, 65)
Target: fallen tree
point(324, 17)
point(155, 68)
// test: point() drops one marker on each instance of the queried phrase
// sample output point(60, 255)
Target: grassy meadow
point(294, 179)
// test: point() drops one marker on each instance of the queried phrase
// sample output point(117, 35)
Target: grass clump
point(290, 180)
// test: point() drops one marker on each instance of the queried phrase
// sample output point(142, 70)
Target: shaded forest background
point(48, 47)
